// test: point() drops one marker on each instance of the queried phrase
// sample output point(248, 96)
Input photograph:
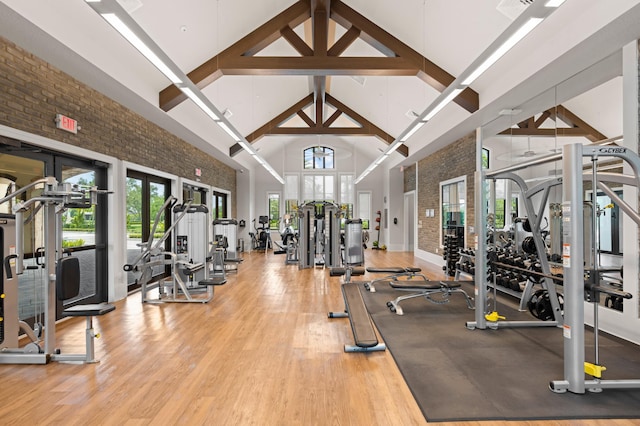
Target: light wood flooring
point(262, 352)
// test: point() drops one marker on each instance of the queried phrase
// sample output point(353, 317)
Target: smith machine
point(582, 276)
point(62, 274)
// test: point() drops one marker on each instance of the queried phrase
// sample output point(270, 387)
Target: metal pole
point(573, 262)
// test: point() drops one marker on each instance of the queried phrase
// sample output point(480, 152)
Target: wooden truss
point(319, 126)
point(577, 126)
point(320, 61)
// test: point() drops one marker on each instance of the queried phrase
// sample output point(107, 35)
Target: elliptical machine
point(261, 238)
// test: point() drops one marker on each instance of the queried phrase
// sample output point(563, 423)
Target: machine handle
point(39, 254)
point(128, 267)
point(7, 265)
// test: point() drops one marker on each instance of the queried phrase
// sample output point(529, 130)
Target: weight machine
point(577, 289)
point(319, 228)
point(189, 261)
point(353, 246)
point(225, 233)
point(62, 274)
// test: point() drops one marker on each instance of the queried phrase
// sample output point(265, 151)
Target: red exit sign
point(65, 123)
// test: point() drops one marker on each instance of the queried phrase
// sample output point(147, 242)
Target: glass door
point(83, 231)
point(146, 195)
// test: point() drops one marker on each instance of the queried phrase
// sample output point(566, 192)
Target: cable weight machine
point(577, 288)
point(52, 202)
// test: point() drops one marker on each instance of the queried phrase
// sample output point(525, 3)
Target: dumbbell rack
point(451, 256)
point(503, 281)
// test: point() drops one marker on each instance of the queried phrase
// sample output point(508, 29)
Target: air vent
point(411, 114)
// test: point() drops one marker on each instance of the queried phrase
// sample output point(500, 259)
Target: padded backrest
point(67, 278)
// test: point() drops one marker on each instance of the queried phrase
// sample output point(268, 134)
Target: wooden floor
point(262, 352)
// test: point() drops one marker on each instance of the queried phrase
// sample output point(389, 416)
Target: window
point(291, 190)
point(364, 208)
point(453, 200)
point(485, 158)
point(219, 205)
point(274, 210)
point(318, 188)
point(318, 157)
point(347, 197)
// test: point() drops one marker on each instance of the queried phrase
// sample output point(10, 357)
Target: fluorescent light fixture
point(93, 1)
point(504, 48)
point(554, 3)
point(442, 104)
point(394, 146)
point(410, 133)
point(196, 99)
point(229, 131)
point(132, 38)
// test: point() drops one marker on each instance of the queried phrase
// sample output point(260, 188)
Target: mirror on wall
point(525, 200)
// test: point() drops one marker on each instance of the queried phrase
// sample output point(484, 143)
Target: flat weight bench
point(393, 274)
point(364, 333)
point(427, 290)
point(67, 287)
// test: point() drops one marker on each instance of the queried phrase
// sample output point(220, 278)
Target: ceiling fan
point(524, 154)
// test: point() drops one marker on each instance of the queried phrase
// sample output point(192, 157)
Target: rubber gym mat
point(456, 374)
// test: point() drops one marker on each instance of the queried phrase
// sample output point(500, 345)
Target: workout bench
point(67, 287)
point(395, 273)
point(364, 334)
point(427, 290)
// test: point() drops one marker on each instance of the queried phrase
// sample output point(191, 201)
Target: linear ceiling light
point(198, 101)
point(132, 38)
point(432, 111)
point(554, 3)
point(504, 48)
point(410, 133)
point(229, 131)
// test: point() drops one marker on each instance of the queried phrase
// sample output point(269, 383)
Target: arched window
point(318, 157)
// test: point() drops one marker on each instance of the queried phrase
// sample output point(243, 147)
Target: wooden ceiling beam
point(344, 42)
point(579, 127)
point(319, 94)
point(559, 131)
point(573, 120)
point(314, 65)
point(366, 128)
point(281, 118)
point(296, 42)
point(329, 121)
point(303, 115)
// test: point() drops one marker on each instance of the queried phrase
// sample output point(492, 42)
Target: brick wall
point(32, 92)
point(457, 159)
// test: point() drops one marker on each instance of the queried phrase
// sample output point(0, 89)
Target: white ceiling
point(451, 33)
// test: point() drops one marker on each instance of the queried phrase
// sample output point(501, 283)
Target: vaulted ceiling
point(354, 72)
